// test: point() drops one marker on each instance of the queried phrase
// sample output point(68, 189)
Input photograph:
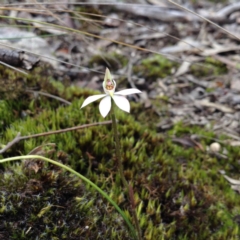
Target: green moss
point(210, 66)
point(178, 191)
point(51, 204)
point(14, 83)
point(154, 67)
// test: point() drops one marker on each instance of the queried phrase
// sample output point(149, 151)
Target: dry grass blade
point(50, 96)
point(48, 12)
point(95, 36)
point(205, 19)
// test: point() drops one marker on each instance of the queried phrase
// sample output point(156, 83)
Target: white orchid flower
point(109, 86)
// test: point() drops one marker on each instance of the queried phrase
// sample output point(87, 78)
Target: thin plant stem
point(81, 177)
point(19, 137)
point(118, 150)
point(120, 168)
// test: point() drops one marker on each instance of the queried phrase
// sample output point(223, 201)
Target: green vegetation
point(210, 66)
point(178, 191)
point(154, 67)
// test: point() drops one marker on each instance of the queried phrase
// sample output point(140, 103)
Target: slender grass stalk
point(120, 168)
point(68, 29)
point(132, 230)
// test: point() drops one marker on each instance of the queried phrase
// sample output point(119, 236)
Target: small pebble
point(215, 147)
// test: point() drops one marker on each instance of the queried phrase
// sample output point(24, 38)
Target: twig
point(19, 138)
point(51, 58)
point(16, 69)
point(129, 74)
point(50, 95)
point(10, 144)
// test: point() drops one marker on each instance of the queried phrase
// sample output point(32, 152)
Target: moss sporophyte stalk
point(109, 86)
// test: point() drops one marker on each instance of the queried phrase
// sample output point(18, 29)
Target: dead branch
point(18, 59)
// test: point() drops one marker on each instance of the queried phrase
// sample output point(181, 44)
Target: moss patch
point(210, 66)
point(154, 67)
point(179, 192)
point(51, 204)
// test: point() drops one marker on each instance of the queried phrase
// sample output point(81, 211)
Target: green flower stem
point(81, 177)
point(117, 147)
point(120, 168)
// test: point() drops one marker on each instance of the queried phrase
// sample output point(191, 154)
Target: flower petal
point(128, 91)
point(122, 103)
point(92, 99)
point(107, 76)
point(105, 106)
